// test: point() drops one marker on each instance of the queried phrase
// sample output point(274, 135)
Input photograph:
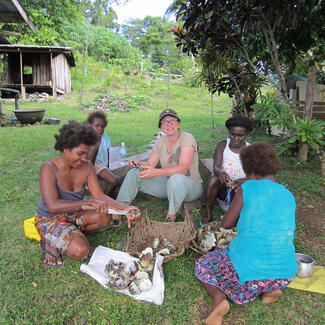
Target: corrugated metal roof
point(48, 48)
point(26, 48)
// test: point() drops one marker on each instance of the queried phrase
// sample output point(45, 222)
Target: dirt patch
point(311, 221)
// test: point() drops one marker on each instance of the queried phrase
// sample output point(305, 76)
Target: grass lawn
point(32, 294)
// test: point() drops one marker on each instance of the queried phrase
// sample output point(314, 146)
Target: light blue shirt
point(102, 158)
point(263, 248)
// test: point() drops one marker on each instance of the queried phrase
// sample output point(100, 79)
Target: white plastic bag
point(96, 269)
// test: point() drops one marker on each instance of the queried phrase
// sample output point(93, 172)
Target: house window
point(28, 74)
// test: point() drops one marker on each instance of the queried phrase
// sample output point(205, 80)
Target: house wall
point(319, 93)
point(41, 69)
point(62, 73)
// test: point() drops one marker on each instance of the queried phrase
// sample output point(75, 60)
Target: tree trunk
point(310, 86)
point(303, 151)
point(308, 108)
point(321, 155)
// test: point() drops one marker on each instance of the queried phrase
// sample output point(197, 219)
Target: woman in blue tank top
point(61, 220)
point(260, 260)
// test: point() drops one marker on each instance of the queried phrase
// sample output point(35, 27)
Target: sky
point(140, 9)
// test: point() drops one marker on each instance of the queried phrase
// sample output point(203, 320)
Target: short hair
point(260, 158)
point(98, 115)
point(239, 120)
point(74, 134)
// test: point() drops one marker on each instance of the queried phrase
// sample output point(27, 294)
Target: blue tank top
point(43, 211)
point(263, 248)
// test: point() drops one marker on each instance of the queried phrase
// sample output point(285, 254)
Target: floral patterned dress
point(216, 269)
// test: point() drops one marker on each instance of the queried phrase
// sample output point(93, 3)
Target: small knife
point(109, 211)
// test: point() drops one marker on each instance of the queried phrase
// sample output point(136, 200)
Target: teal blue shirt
point(263, 248)
point(105, 144)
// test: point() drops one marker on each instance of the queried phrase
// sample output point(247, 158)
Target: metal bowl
point(305, 265)
point(29, 116)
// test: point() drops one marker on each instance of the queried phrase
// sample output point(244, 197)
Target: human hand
point(147, 171)
point(224, 177)
point(133, 215)
point(99, 206)
point(237, 183)
point(134, 163)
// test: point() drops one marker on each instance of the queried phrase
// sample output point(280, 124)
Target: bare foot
point(90, 252)
point(52, 256)
point(270, 297)
point(170, 217)
point(217, 313)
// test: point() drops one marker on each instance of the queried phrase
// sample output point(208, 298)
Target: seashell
point(229, 237)
point(199, 233)
point(164, 251)
point(144, 284)
point(208, 241)
point(219, 235)
point(147, 251)
point(155, 242)
point(134, 289)
point(130, 267)
point(141, 275)
point(222, 242)
point(150, 266)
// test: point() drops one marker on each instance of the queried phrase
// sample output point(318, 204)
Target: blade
point(109, 211)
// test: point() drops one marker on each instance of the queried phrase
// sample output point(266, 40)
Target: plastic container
point(123, 154)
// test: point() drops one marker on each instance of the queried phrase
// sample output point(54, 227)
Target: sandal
point(45, 252)
point(169, 219)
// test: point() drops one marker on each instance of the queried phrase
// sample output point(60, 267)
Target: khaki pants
point(177, 189)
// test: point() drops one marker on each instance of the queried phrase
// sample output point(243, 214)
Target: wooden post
point(84, 67)
point(0, 106)
point(22, 89)
point(212, 118)
point(53, 72)
point(168, 86)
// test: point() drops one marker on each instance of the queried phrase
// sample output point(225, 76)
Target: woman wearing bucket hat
point(178, 179)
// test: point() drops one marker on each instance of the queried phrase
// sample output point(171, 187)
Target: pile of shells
point(212, 236)
point(163, 246)
point(136, 276)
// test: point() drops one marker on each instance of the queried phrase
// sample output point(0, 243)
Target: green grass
point(32, 294)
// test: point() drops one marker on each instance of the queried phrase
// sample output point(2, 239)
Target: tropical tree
point(100, 12)
point(153, 36)
point(267, 35)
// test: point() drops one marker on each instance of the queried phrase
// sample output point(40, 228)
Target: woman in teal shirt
point(261, 259)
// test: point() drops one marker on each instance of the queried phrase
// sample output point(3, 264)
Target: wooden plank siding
point(41, 69)
point(62, 73)
point(318, 110)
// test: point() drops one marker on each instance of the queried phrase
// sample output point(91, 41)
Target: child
point(99, 154)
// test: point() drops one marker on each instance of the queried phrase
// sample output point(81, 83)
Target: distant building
point(36, 68)
point(31, 68)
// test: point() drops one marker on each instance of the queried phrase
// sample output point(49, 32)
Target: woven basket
point(178, 233)
point(196, 246)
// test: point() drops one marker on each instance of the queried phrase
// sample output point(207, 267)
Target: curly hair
point(261, 159)
point(74, 134)
point(241, 121)
point(98, 115)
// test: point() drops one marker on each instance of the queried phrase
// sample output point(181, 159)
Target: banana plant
point(310, 132)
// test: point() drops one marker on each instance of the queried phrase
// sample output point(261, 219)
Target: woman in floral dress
point(260, 260)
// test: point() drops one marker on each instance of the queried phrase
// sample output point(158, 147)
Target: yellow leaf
point(34, 284)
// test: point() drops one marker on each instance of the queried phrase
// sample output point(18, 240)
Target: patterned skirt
point(216, 269)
